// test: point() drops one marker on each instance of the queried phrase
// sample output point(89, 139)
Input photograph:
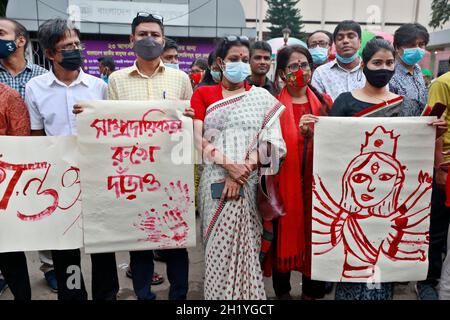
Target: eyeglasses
point(305, 66)
point(72, 46)
point(322, 44)
point(236, 38)
point(150, 15)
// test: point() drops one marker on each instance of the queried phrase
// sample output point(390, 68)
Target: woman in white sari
point(231, 120)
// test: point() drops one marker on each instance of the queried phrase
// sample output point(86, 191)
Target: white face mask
point(172, 65)
point(216, 75)
point(236, 72)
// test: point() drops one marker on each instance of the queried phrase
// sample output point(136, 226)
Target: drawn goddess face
point(373, 182)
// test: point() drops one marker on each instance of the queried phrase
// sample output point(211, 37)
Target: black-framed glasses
point(72, 46)
point(305, 66)
point(150, 15)
point(233, 38)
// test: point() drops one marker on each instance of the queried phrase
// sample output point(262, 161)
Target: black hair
point(328, 34)
point(201, 63)
point(375, 45)
point(170, 44)
point(19, 30)
point(225, 45)
point(54, 30)
point(207, 78)
point(347, 25)
point(211, 58)
point(143, 19)
point(409, 33)
point(283, 57)
point(260, 45)
point(108, 62)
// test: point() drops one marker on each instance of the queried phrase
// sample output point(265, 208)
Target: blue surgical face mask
point(104, 77)
point(344, 60)
point(236, 72)
point(412, 56)
point(172, 65)
point(319, 55)
point(216, 75)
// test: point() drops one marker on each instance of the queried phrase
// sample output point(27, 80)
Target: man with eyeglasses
point(319, 45)
point(16, 71)
point(150, 79)
point(50, 99)
point(344, 74)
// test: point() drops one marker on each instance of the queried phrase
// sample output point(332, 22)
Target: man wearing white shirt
point(50, 99)
point(344, 74)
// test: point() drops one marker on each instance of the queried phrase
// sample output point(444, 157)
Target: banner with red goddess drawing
point(137, 175)
point(39, 194)
point(371, 199)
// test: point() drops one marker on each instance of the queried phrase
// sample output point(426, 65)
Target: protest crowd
point(243, 239)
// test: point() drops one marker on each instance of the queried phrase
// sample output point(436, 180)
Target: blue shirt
point(411, 86)
point(19, 81)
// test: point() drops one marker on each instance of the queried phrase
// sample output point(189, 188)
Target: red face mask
point(297, 79)
point(196, 77)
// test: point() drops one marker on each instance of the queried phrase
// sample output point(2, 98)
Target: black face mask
point(72, 60)
point(378, 78)
point(7, 48)
point(148, 49)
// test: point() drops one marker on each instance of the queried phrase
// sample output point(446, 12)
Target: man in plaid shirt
point(16, 71)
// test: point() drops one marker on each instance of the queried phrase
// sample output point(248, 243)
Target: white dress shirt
point(50, 102)
point(333, 79)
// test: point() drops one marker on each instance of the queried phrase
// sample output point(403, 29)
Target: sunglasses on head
point(236, 38)
point(151, 15)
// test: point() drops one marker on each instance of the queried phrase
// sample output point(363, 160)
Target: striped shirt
point(165, 83)
point(19, 81)
point(333, 80)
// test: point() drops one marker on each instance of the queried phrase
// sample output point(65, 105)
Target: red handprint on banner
point(168, 226)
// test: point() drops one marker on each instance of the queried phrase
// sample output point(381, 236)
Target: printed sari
point(390, 108)
point(232, 229)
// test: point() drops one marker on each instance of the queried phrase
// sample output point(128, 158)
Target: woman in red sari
point(291, 248)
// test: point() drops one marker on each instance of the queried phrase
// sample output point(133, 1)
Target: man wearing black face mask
point(50, 99)
point(16, 71)
point(133, 83)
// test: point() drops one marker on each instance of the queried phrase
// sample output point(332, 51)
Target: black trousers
point(439, 222)
point(282, 281)
point(13, 266)
point(105, 282)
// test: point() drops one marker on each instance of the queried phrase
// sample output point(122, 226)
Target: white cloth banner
point(371, 199)
point(39, 194)
point(137, 175)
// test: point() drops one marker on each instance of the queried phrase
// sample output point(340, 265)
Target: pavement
point(40, 291)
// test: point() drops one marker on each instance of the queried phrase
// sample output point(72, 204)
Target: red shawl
point(291, 244)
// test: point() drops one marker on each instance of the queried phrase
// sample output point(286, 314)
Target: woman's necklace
point(385, 101)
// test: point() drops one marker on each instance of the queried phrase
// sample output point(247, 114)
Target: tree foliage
point(440, 13)
point(282, 14)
